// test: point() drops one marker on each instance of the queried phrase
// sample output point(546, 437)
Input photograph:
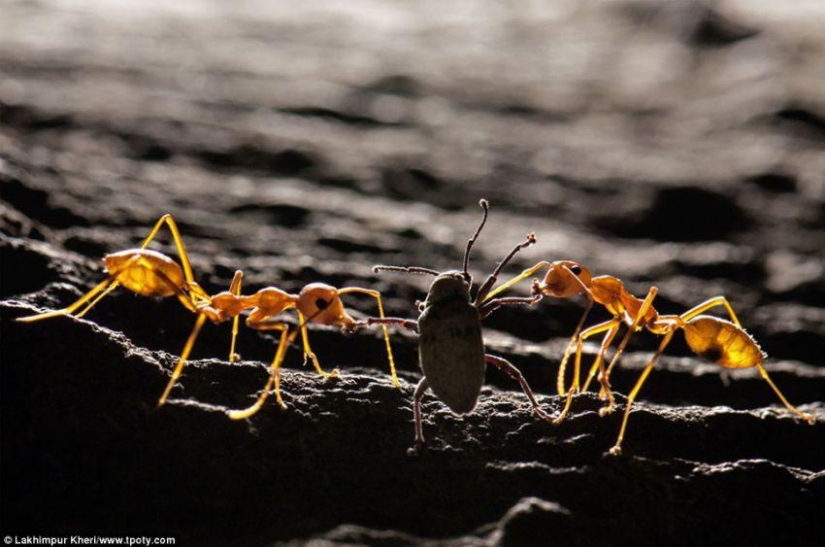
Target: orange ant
point(721, 341)
point(317, 303)
point(150, 273)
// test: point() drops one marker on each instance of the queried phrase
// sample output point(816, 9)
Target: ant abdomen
point(722, 342)
point(146, 272)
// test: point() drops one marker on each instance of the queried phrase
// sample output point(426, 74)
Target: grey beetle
point(450, 347)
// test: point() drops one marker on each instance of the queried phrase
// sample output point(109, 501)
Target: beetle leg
point(405, 269)
point(526, 273)
point(510, 369)
point(411, 324)
point(484, 291)
point(422, 386)
point(492, 305)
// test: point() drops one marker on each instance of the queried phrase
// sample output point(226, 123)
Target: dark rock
point(305, 143)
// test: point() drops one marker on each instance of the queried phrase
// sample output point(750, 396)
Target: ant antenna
point(308, 318)
point(405, 269)
point(486, 206)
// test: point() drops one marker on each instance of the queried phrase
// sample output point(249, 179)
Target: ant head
point(565, 279)
point(320, 303)
point(447, 286)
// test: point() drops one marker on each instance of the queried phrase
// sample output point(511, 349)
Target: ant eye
point(576, 270)
point(321, 304)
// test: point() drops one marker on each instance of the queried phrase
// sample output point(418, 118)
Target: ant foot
point(615, 451)
point(334, 374)
point(235, 358)
point(604, 391)
point(606, 410)
point(809, 418)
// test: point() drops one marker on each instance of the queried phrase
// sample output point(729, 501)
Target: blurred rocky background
point(671, 143)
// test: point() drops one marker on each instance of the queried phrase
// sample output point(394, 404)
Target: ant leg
point(308, 354)
point(422, 386)
point(508, 368)
point(598, 365)
point(274, 378)
point(481, 296)
point(560, 377)
point(574, 386)
point(711, 303)
point(617, 448)
point(187, 349)
point(486, 207)
point(100, 297)
point(645, 307)
point(526, 273)
point(69, 310)
point(604, 379)
point(235, 288)
point(173, 227)
point(591, 300)
point(804, 415)
point(492, 305)
point(377, 296)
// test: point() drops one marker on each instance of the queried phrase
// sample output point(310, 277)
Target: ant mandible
point(721, 341)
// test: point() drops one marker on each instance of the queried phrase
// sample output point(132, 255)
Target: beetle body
point(450, 345)
point(451, 349)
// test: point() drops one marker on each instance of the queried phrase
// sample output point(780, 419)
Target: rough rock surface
point(680, 144)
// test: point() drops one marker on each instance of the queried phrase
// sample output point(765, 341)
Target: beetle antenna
point(405, 269)
point(531, 240)
point(486, 206)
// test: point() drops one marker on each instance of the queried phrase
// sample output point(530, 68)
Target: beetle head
point(447, 286)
